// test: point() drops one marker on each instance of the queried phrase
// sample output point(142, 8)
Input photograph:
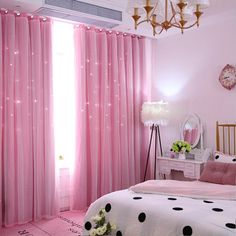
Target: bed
point(173, 208)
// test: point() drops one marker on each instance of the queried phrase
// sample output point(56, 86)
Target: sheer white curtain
point(64, 107)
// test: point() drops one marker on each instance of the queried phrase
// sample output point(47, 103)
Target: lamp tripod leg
point(149, 148)
point(159, 137)
point(155, 161)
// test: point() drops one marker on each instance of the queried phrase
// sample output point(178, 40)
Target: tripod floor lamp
point(154, 114)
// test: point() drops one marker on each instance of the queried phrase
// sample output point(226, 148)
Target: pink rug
point(68, 223)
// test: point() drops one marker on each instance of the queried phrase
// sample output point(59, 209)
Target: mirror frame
point(199, 127)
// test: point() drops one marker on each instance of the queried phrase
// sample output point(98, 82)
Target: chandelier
point(165, 14)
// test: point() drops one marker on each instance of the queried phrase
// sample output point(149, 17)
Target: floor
point(66, 224)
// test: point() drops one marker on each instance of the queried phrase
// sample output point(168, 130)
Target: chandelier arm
point(173, 17)
point(172, 9)
point(151, 14)
point(140, 22)
point(159, 31)
point(175, 21)
point(173, 13)
point(153, 10)
point(157, 24)
point(185, 27)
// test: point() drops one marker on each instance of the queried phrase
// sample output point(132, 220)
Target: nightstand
point(190, 168)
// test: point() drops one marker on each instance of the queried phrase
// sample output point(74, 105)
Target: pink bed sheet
point(193, 189)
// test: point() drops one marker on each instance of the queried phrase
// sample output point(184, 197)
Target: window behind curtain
point(64, 106)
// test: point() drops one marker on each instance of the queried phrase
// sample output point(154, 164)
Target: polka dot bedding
point(221, 157)
point(143, 214)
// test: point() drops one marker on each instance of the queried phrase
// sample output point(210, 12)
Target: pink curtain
point(111, 86)
point(26, 137)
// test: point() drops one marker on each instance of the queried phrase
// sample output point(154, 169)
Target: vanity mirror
point(191, 131)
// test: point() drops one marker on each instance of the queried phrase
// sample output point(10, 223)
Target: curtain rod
point(76, 24)
point(88, 27)
point(29, 15)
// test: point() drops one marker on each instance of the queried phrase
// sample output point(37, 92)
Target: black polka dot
point(217, 156)
point(234, 159)
point(108, 207)
point(142, 217)
point(177, 208)
point(231, 225)
point(172, 198)
point(187, 230)
point(88, 225)
point(206, 201)
point(137, 198)
point(217, 209)
point(118, 233)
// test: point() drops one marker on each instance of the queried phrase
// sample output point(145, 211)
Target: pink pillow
point(219, 173)
point(221, 157)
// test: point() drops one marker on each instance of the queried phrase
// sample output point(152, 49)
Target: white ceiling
point(218, 10)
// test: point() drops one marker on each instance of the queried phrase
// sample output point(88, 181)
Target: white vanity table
point(190, 168)
point(192, 132)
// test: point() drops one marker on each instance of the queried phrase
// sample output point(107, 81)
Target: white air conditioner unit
point(81, 11)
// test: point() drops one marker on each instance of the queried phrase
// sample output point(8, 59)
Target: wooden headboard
point(226, 138)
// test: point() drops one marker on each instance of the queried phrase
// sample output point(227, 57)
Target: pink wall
point(186, 71)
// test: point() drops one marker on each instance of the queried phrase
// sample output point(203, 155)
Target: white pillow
point(221, 157)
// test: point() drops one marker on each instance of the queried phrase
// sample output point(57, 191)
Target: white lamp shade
point(202, 3)
point(140, 4)
point(155, 113)
point(187, 14)
point(135, 4)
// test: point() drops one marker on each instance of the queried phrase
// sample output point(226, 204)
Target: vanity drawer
point(190, 167)
point(176, 165)
point(189, 174)
point(163, 165)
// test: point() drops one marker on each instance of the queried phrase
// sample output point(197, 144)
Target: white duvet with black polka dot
point(143, 214)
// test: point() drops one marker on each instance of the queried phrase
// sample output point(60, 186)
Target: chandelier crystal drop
point(165, 14)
